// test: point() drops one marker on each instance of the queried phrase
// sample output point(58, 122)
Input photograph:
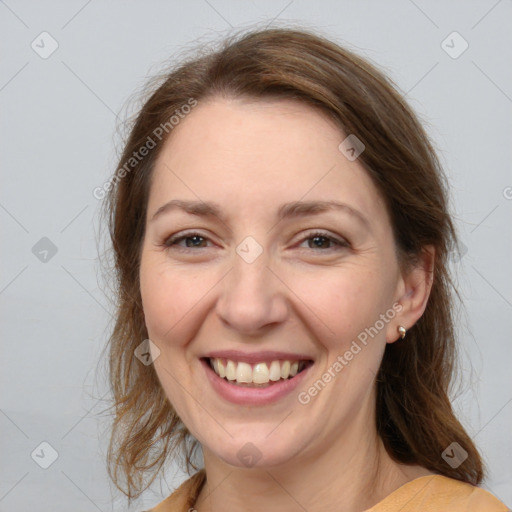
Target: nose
point(252, 298)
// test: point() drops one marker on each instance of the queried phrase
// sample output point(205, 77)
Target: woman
point(280, 230)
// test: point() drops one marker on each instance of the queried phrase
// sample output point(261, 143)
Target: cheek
point(169, 297)
point(166, 297)
point(173, 299)
point(347, 306)
point(344, 302)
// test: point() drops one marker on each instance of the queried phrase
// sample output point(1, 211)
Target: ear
point(413, 291)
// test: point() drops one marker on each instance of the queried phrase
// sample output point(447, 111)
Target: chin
point(256, 451)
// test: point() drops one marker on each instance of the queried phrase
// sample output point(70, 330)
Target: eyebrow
point(286, 211)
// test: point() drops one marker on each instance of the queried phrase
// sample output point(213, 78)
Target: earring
point(402, 330)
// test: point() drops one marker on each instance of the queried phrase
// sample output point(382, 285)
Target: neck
point(348, 473)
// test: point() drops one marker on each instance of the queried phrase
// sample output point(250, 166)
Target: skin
point(250, 157)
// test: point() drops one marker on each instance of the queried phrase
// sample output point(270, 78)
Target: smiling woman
point(285, 249)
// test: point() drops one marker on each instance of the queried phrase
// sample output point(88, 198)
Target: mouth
point(262, 374)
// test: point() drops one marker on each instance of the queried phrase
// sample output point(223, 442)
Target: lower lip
point(253, 396)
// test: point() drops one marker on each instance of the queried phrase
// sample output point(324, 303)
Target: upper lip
point(257, 357)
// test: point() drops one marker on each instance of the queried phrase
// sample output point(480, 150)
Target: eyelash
point(340, 243)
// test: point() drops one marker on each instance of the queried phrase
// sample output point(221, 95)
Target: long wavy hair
point(414, 415)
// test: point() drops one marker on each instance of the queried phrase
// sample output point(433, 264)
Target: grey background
point(58, 136)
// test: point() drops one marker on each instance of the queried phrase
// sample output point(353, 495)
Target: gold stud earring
point(402, 330)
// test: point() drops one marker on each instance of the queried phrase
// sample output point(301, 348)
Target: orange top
point(434, 493)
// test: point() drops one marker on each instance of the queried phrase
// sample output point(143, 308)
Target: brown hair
point(414, 416)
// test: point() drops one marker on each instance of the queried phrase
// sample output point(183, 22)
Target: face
point(269, 281)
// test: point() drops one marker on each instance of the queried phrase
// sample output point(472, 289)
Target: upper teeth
point(259, 373)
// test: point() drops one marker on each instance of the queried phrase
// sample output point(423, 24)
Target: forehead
point(256, 155)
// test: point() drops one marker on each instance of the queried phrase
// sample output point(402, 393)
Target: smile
point(262, 373)
point(255, 379)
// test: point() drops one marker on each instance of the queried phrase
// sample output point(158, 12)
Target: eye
point(190, 240)
point(318, 240)
point(324, 241)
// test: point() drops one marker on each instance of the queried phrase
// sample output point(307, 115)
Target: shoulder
point(467, 495)
point(437, 492)
point(183, 498)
